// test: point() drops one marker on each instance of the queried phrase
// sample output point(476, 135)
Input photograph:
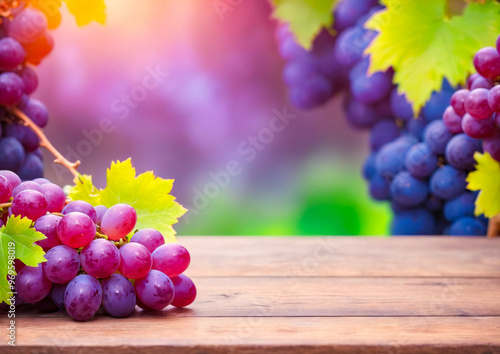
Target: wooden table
point(314, 295)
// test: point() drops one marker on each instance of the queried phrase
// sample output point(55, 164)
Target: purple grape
point(417, 221)
point(452, 120)
point(149, 238)
point(313, 92)
point(379, 188)
point(82, 207)
point(63, 264)
point(28, 25)
point(24, 134)
point(461, 206)
point(12, 177)
point(348, 12)
point(135, 260)
point(416, 127)
point(47, 225)
point(420, 160)
point(41, 181)
point(172, 259)
point(56, 198)
point(350, 45)
point(382, 133)
point(436, 105)
point(478, 129)
point(447, 182)
point(406, 190)
point(31, 284)
point(458, 100)
point(185, 291)
point(390, 159)
point(371, 89)
point(492, 146)
point(100, 210)
point(76, 230)
point(82, 297)
point(119, 297)
point(32, 167)
point(12, 54)
point(155, 290)
point(437, 136)
point(400, 105)
point(360, 115)
point(369, 169)
point(494, 98)
point(100, 258)
point(468, 226)
point(487, 63)
point(476, 104)
point(30, 204)
point(5, 190)
point(11, 153)
point(460, 151)
point(58, 294)
point(27, 186)
point(481, 82)
point(37, 112)
point(118, 221)
point(11, 89)
point(30, 80)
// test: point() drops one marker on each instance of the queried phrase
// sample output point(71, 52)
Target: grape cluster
point(416, 163)
point(89, 262)
point(475, 110)
point(24, 41)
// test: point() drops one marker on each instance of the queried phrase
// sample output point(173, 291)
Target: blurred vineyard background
point(223, 87)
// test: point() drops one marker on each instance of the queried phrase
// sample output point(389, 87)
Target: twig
point(494, 226)
point(60, 159)
point(5, 205)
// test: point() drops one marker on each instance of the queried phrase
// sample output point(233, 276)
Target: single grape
point(32, 167)
point(31, 284)
point(155, 290)
point(118, 221)
point(447, 182)
point(416, 127)
point(406, 190)
point(12, 54)
point(348, 12)
point(30, 80)
point(82, 207)
point(47, 225)
point(369, 169)
point(460, 151)
point(100, 210)
point(171, 258)
point(136, 260)
point(100, 258)
point(457, 101)
point(487, 63)
point(37, 112)
point(12, 177)
point(400, 105)
point(359, 115)
point(24, 135)
point(63, 264)
point(41, 181)
point(118, 296)
point(56, 198)
point(478, 129)
point(390, 159)
point(149, 238)
point(11, 153)
point(373, 88)
point(494, 98)
point(492, 146)
point(185, 291)
point(476, 104)
point(30, 204)
point(5, 190)
point(314, 91)
point(468, 226)
point(27, 186)
point(28, 25)
point(82, 297)
point(379, 188)
point(436, 136)
point(420, 160)
point(481, 82)
point(383, 132)
point(416, 221)
point(461, 206)
point(76, 230)
point(436, 105)
point(11, 88)
point(58, 294)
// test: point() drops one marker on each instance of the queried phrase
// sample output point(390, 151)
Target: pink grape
point(470, 80)
point(481, 82)
point(26, 186)
point(28, 25)
point(172, 259)
point(82, 207)
point(136, 260)
point(452, 120)
point(498, 44)
point(100, 210)
point(30, 204)
point(76, 230)
point(83, 297)
point(185, 291)
point(41, 181)
point(478, 129)
point(56, 198)
point(494, 98)
point(458, 100)
point(149, 238)
point(32, 285)
point(492, 145)
point(118, 221)
point(63, 264)
point(476, 104)
point(5, 190)
point(155, 290)
point(487, 63)
point(12, 177)
point(100, 258)
point(47, 225)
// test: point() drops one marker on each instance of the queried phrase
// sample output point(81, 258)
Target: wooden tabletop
point(314, 295)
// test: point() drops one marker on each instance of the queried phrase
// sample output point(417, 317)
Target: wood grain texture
point(344, 256)
point(314, 295)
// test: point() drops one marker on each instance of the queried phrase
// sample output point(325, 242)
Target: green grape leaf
point(149, 195)
point(424, 45)
point(86, 11)
point(19, 237)
point(305, 17)
point(486, 179)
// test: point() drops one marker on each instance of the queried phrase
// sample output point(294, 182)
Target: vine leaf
point(86, 11)
point(18, 235)
point(149, 195)
point(423, 44)
point(305, 17)
point(486, 179)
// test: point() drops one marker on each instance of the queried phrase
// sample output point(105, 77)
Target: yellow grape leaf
point(305, 17)
point(149, 195)
point(423, 45)
point(86, 11)
point(486, 179)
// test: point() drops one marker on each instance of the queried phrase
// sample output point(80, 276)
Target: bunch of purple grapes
point(89, 261)
point(475, 111)
point(24, 41)
point(415, 163)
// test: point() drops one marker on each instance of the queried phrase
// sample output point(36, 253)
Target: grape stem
point(494, 226)
point(60, 159)
point(5, 205)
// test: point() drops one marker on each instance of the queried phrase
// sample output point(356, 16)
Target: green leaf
point(305, 17)
point(424, 45)
point(486, 179)
point(18, 235)
point(86, 11)
point(149, 195)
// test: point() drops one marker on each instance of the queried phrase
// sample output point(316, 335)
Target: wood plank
point(320, 297)
point(344, 256)
point(256, 335)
